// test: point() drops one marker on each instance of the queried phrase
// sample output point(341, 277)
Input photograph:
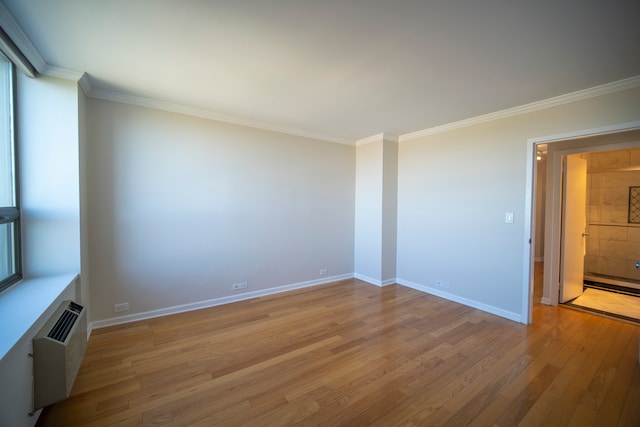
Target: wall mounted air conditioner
point(57, 353)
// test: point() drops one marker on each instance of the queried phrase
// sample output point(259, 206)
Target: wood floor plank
point(630, 413)
point(597, 348)
point(477, 395)
point(609, 411)
point(348, 353)
point(570, 362)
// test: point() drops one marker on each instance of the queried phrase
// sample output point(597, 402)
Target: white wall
point(181, 208)
point(83, 141)
point(455, 187)
point(376, 211)
point(389, 211)
point(368, 212)
point(47, 132)
point(49, 175)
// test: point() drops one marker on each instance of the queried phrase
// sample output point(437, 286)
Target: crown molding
point(24, 44)
point(605, 89)
point(20, 39)
point(376, 138)
point(586, 133)
point(62, 73)
point(85, 84)
point(368, 140)
point(110, 95)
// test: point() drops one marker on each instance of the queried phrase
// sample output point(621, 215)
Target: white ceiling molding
point(20, 39)
point(586, 133)
point(62, 73)
point(620, 85)
point(85, 84)
point(368, 140)
point(376, 138)
point(24, 44)
point(108, 95)
point(248, 63)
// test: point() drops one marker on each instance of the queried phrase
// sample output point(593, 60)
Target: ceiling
point(339, 69)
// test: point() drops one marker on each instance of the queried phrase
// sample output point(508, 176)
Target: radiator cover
point(58, 350)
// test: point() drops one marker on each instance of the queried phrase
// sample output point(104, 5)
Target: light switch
point(508, 217)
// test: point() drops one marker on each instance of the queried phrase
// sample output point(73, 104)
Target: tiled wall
point(613, 246)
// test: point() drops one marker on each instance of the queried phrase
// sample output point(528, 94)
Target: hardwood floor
point(349, 353)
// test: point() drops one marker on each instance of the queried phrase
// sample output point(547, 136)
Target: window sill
point(22, 305)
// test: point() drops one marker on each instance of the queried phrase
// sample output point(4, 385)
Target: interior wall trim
point(376, 138)
point(114, 96)
point(580, 95)
point(376, 282)
point(62, 73)
point(96, 324)
point(370, 139)
point(464, 301)
point(139, 101)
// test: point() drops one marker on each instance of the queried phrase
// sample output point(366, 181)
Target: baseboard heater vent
point(57, 353)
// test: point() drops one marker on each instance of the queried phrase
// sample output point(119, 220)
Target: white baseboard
point(367, 279)
point(461, 300)
point(389, 282)
point(96, 324)
point(373, 281)
point(545, 300)
point(278, 289)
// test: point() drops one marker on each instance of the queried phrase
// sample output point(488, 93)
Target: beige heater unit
point(57, 353)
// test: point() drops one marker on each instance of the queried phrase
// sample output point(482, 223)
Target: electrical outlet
point(236, 286)
point(323, 271)
point(119, 308)
point(442, 284)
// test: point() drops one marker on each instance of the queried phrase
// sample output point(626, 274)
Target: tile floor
point(609, 302)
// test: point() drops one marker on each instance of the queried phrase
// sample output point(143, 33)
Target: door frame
point(605, 138)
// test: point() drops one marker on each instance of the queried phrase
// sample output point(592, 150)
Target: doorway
point(549, 215)
point(600, 241)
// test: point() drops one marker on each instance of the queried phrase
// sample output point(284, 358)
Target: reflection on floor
point(623, 306)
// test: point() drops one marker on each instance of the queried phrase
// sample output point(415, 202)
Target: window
point(10, 265)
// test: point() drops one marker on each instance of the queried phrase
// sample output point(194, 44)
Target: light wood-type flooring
point(349, 353)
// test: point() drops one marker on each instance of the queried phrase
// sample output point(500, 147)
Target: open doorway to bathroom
point(610, 245)
point(611, 282)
